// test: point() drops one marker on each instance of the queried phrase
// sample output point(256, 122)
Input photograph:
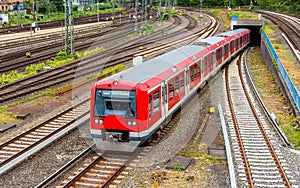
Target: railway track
point(16, 157)
point(88, 66)
point(111, 168)
point(17, 61)
point(27, 143)
point(258, 159)
point(288, 25)
point(40, 53)
point(59, 23)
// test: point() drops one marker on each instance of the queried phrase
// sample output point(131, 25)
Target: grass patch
point(268, 29)
point(58, 15)
point(284, 56)
point(272, 96)
point(112, 70)
point(91, 52)
point(222, 15)
point(7, 117)
point(242, 14)
point(225, 16)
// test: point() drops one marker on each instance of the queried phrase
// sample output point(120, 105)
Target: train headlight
point(131, 123)
point(98, 121)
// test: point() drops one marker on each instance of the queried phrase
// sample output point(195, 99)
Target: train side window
point(226, 49)
point(150, 105)
point(171, 89)
point(231, 46)
point(191, 73)
point(181, 82)
point(156, 101)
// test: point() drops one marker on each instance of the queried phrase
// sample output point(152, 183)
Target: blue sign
point(234, 17)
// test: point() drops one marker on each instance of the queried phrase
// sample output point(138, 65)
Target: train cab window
point(150, 106)
point(181, 82)
point(156, 101)
point(171, 89)
point(115, 102)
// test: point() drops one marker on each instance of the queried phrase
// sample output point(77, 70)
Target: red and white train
point(128, 107)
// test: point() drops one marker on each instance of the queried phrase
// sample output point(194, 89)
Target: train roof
point(208, 41)
point(157, 65)
point(231, 33)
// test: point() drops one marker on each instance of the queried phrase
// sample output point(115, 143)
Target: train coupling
point(113, 136)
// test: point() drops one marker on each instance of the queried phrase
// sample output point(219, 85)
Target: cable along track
point(258, 160)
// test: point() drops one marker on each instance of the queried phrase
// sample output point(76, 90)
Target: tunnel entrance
point(254, 26)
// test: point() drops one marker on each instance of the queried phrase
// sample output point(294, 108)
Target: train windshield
point(115, 102)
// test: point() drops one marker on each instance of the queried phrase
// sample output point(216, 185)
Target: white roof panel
point(157, 65)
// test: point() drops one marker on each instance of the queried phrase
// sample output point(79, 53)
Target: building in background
point(11, 5)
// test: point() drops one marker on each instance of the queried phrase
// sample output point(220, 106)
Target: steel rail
point(238, 135)
point(271, 149)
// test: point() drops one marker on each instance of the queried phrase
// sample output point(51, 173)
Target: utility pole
point(69, 28)
point(19, 22)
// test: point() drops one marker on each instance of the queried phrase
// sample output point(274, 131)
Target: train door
point(164, 101)
point(154, 106)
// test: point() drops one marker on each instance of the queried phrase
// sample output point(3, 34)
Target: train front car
point(113, 117)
